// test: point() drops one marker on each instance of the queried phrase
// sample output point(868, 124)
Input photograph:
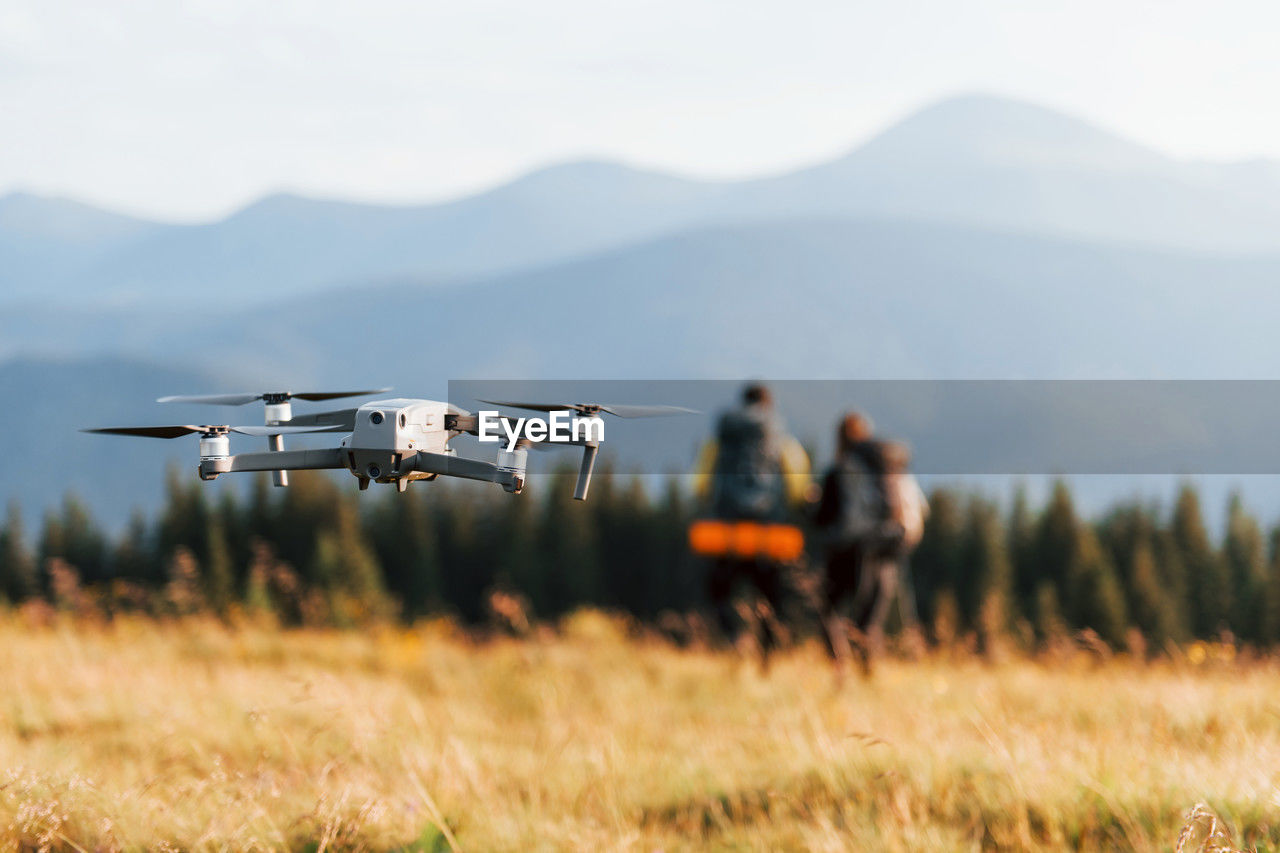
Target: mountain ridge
point(984, 161)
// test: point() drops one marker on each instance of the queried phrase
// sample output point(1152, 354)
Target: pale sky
point(188, 110)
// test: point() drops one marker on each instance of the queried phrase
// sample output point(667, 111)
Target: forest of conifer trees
point(322, 554)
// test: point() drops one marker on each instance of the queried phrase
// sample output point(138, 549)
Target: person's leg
point(882, 576)
point(720, 581)
point(838, 587)
point(770, 583)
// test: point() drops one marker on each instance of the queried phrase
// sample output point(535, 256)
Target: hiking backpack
point(748, 472)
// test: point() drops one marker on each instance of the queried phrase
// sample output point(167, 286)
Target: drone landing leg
point(275, 443)
point(584, 472)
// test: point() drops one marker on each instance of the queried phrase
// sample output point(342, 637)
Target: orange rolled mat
point(746, 540)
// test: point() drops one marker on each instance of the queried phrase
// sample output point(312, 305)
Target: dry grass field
point(196, 736)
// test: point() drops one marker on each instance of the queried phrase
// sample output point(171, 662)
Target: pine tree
point(1046, 613)
point(308, 508)
point(345, 568)
point(1053, 552)
point(238, 533)
point(1152, 612)
point(566, 542)
point(258, 600)
point(83, 545)
point(218, 574)
point(1208, 585)
point(1092, 594)
point(402, 527)
point(132, 559)
point(1056, 538)
point(935, 567)
point(71, 540)
point(17, 567)
point(1269, 615)
point(1246, 560)
point(1021, 550)
point(987, 593)
point(1129, 534)
point(681, 586)
point(470, 543)
point(52, 546)
point(628, 551)
point(1172, 571)
point(261, 516)
point(184, 518)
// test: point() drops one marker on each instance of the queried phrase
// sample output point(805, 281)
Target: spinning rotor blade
point(241, 399)
point(177, 430)
point(283, 429)
point(616, 409)
point(334, 395)
point(534, 407)
point(212, 399)
point(150, 431)
point(625, 411)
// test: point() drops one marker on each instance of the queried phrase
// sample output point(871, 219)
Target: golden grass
point(196, 736)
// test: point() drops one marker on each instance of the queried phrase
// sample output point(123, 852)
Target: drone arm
point(344, 419)
point(468, 469)
point(469, 424)
point(282, 460)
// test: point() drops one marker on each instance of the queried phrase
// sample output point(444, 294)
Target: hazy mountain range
point(978, 238)
point(974, 161)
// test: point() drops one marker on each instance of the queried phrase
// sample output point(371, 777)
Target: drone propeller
point(269, 396)
point(278, 410)
point(190, 429)
point(615, 409)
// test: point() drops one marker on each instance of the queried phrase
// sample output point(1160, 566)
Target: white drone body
point(395, 440)
point(386, 432)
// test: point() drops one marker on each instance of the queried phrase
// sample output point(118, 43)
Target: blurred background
point(222, 196)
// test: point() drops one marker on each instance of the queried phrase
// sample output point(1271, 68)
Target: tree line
point(322, 553)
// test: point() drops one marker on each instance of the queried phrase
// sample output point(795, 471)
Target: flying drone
point(393, 441)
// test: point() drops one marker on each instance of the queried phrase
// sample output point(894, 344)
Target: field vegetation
point(435, 670)
point(203, 734)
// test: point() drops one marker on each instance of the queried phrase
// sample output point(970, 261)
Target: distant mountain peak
point(277, 202)
point(988, 129)
point(32, 214)
point(24, 202)
point(285, 206)
point(594, 174)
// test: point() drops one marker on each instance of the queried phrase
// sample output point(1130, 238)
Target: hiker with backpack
point(870, 518)
point(753, 476)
